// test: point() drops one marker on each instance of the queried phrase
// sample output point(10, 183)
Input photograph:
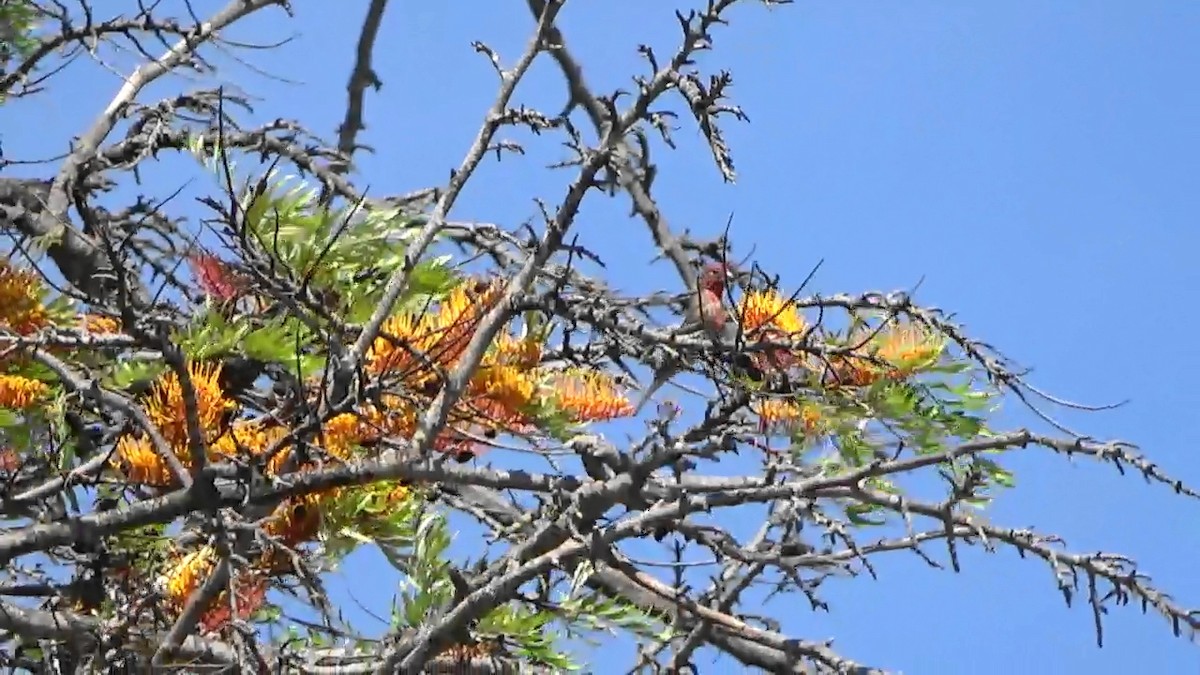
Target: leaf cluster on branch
point(202, 417)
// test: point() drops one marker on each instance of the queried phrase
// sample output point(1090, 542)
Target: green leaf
point(276, 342)
point(857, 514)
point(10, 418)
point(127, 373)
point(995, 472)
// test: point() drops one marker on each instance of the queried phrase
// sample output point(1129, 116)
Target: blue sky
point(1037, 164)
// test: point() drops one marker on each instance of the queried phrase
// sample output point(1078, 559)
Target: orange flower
point(896, 352)
point(296, 520)
point(476, 650)
point(20, 393)
point(187, 573)
point(398, 494)
point(395, 416)
point(341, 433)
point(589, 395)
point(782, 415)
point(21, 309)
point(770, 317)
point(524, 353)
point(99, 325)
point(252, 437)
point(852, 370)
point(166, 407)
point(136, 457)
point(762, 309)
point(250, 592)
point(908, 347)
point(508, 386)
point(480, 416)
point(435, 337)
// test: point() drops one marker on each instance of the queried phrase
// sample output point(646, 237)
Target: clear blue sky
point(1038, 163)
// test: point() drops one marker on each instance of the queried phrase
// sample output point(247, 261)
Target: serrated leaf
point(126, 374)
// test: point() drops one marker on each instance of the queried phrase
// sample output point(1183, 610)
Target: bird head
point(715, 276)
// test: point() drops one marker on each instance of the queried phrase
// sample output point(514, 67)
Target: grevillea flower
point(509, 386)
point(341, 433)
point(99, 325)
point(782, 415)
point(186, 573)
point(896, 352)
point(524, 353)
point(476, 650)
point(472, 415)
point(908, 347)
point(135, 456)
point(762, 309)
point(460, 314)
point(438, 337)
point(166, 408)
point(394, 416)
point(214, 277)
point(399, 419)
point(589, 395)
point(19, 392)
point(296, 520)
point(254, 438)
point(503, 390)
point(21, 309)
point(768, 316)
point(250, 592)
point(399, 494)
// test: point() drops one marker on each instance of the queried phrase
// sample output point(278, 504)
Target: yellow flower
point(242, 437)
point(523, 353)
point(398, 494)
point(394, 417)
point(506, 385)
point(99, 325)
point(908, 347)
point(187, 574)
point(896, 351)
point(480, 649)
point(438, 337)
point(762, 309)
point(190, 571)
point(589, 395)
point(141, 464)
point(406, 337)
point(166, 407)
point(343, 432)
point(296, 520)
point(461, 313)
point(253, 437)
point(19, 392)
point(777, 414)
point(21, 309)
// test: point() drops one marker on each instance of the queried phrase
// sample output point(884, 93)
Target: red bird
point(705, 312)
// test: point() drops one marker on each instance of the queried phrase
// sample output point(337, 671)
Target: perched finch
point(705, 313)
